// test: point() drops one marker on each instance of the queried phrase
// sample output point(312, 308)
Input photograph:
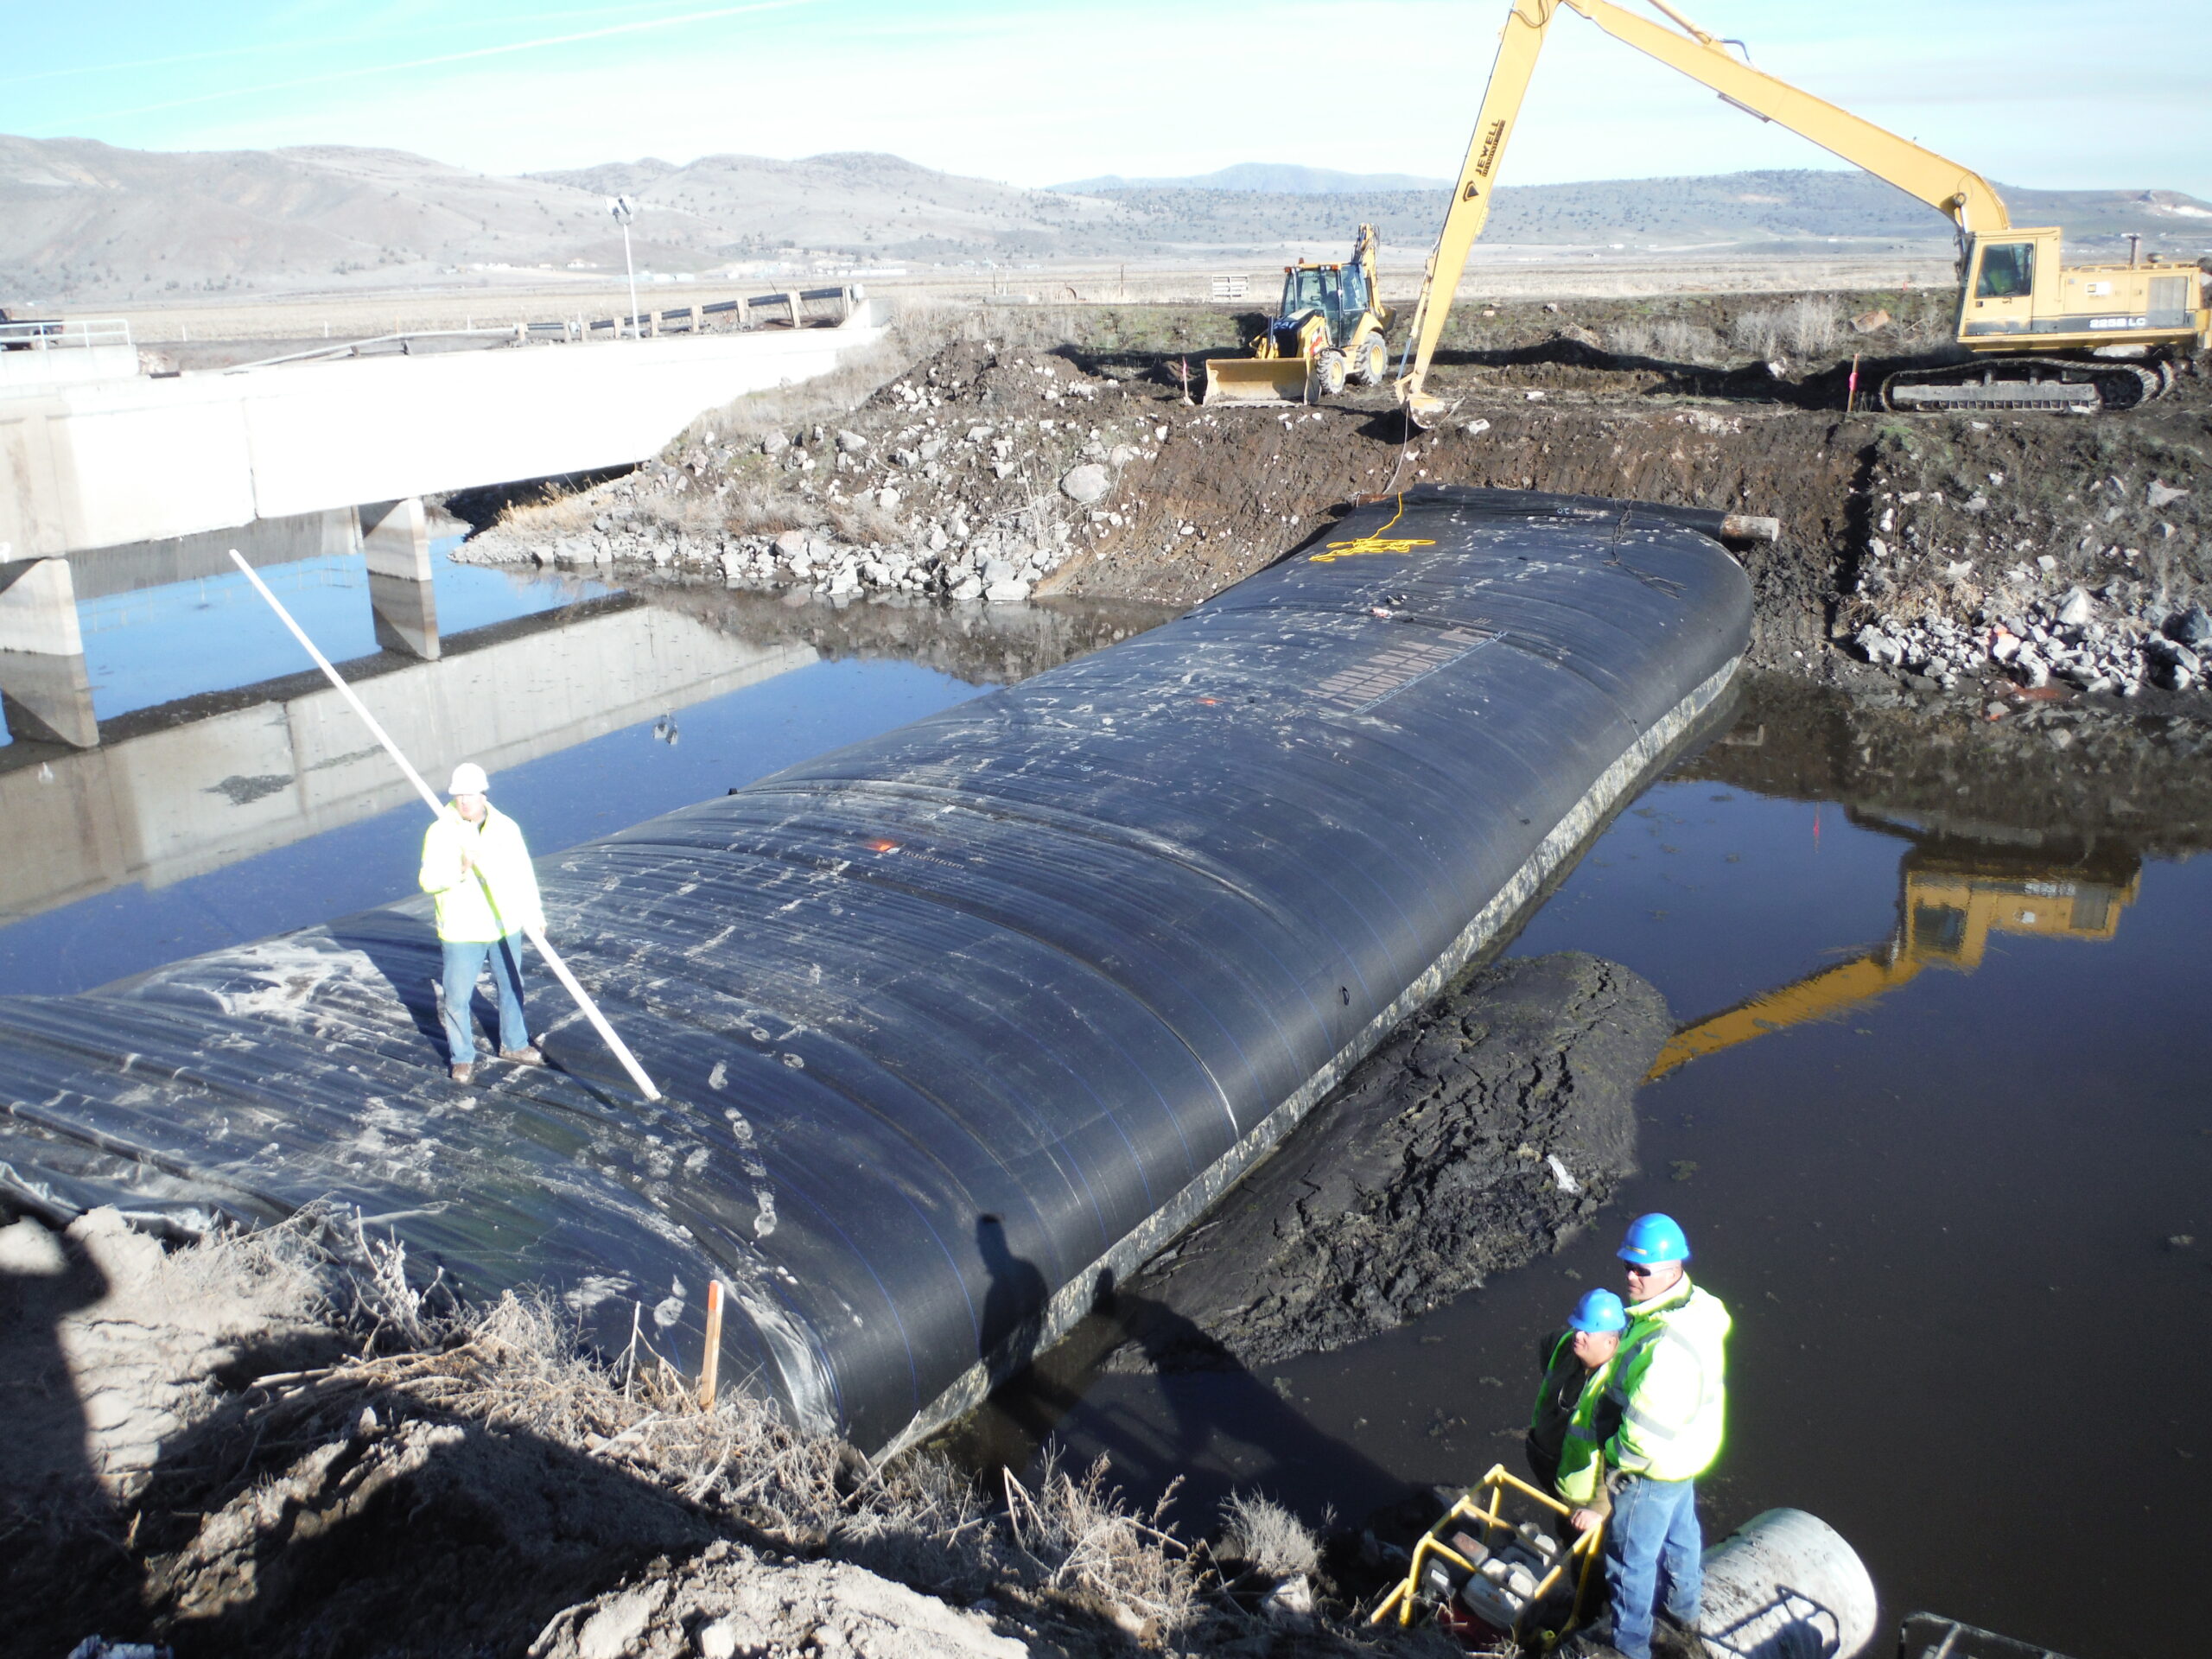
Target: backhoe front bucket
point(1256, 379)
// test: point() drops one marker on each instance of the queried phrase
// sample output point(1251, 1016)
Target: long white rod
point(438, 810)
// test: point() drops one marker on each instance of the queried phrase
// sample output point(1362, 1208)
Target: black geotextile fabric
point(942, 1017)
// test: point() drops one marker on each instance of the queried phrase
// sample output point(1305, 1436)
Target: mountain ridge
point(82, 221)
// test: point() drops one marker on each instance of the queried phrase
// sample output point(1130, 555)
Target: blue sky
point(2047, 93)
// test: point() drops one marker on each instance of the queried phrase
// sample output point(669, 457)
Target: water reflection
point(151, 645)
point(1955, 893)
point(228, 815)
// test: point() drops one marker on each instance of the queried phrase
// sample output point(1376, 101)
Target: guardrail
point(57, 333)
point(792, 309)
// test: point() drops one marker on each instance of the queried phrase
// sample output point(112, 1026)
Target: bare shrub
point(1629, 340)
point(1758, 333)
point(1679, 340)
point(1812, 324)
point(1668, 340)
point(1265, 1536)
point(1808, 326)
point(1080, 1536)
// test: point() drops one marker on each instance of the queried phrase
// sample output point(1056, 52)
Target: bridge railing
point(57, 333)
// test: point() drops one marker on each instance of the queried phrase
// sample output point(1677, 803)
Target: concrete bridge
point(95, 468)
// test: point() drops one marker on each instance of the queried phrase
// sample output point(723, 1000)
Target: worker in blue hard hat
point(1574, 1360)
point(1668, 1382)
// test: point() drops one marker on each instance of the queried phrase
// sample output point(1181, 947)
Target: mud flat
point(1495, 1120)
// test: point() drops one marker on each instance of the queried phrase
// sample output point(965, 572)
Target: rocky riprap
point(2049, 556)
point(978, 476)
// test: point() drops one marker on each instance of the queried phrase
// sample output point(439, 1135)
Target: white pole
point(632, 270)
point(437, 810)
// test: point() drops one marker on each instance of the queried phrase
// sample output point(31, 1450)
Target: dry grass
point(1668, 340)
point(1806, 326)
point(518, 1366)
point(1080, 1537)
point(1267, 1537)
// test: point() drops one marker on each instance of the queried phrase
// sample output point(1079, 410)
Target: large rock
point(1489, 1127)
point(1086, 485)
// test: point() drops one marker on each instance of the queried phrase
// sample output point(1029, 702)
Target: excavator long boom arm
point(1965, 196)
point(1962, 195)
point(1517, 49)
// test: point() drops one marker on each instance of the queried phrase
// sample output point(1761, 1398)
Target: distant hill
point(86, 223)
point(866, 203)
point(1777, 208)
point(1268, 178)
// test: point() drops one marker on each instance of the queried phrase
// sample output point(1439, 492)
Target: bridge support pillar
point(45, 694)
point(396, 538)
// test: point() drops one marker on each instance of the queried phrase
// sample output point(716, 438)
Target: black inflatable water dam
point(952, 1021)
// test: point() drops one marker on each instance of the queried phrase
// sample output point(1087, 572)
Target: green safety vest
point(1669, 1380)
point(504, 901)
point(1581, 1458)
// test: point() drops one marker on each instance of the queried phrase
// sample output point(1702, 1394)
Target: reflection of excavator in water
point(1329, 328)
point(2046, 335)
point(1950, 906)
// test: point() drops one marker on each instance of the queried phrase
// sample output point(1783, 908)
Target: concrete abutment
point(45, 692)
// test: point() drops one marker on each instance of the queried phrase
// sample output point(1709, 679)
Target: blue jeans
point(464, 962)
point(1653, 1531)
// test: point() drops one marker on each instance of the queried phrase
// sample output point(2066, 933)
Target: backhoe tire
point(1374, 362)
point(1328, 373)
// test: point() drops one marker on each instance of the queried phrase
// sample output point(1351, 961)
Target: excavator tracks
point(2054, 384)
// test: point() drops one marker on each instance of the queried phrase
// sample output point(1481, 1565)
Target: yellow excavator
point(1331, 328)
point(2044, 334)
point(1950, 906)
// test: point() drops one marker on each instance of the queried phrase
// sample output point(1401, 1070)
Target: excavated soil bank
point(1049, 451)
point(1494, 1121)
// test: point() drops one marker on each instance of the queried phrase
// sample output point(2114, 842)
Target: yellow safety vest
point(504, 901)
point(1669, 1380)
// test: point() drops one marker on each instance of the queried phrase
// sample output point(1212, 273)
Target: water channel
point(1959, 1207)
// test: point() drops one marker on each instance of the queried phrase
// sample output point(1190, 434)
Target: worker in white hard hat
point(475, 865)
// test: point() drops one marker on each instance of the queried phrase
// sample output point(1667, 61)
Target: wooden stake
point(710, 1368)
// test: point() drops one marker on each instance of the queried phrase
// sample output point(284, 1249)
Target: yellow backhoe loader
point(1330, 328)
point(2044, 334)
point(1950, 906)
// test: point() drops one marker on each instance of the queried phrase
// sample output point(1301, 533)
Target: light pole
point(624, 210)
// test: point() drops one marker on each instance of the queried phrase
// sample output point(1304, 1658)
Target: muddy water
point(1943, 1184)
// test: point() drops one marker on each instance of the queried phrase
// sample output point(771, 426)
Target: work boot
point(526, 1055)
point(463, 1072)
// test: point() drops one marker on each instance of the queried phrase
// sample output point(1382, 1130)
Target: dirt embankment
point(1496, 1121)
point(1006, 456)
point(277, 1445)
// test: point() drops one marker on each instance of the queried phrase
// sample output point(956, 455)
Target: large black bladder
point(956, 1022)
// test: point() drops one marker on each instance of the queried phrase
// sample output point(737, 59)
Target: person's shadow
point(1013, 1304)
point(65, 1560)
point(1212, 1404)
